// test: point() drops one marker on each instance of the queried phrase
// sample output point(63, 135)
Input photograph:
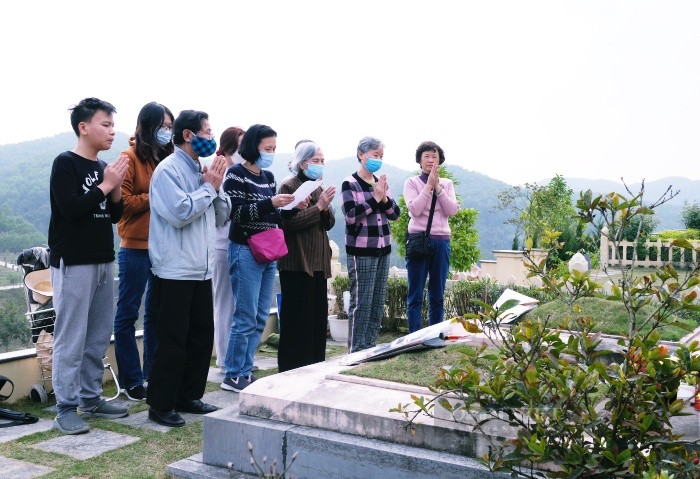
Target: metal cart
point(38, 294)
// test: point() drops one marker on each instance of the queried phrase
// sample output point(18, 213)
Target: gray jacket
point(184, 215)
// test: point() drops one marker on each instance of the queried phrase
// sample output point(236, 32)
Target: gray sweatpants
point(83, 296)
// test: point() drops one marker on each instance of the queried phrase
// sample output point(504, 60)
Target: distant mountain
point(26, 168)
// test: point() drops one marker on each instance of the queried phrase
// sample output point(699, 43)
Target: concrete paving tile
point(8, 434)
point(221, 399)
point(85, 446)
point(193, 468)
point(265, 362)
point(141, 421)
point(215, 375)
point(21, 470)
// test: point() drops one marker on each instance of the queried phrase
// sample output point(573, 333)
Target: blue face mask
point(265, 160)
point(313, 171)
point(203, 147)
point(164, 136)
point(373, 164)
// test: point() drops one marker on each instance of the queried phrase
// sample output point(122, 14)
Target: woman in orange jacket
point(150, 144)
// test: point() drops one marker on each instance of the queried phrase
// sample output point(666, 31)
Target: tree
point(691, 215)
point(13, 324)
point(580, 407)
point(17, 234)
point(538, 210)
point(465, 237)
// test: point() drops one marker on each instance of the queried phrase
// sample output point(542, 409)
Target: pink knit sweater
point(418, 201)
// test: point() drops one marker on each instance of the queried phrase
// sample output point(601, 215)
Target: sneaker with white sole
point(235, 384)
point(70, 423)
point(137, 393)
point(104, 409)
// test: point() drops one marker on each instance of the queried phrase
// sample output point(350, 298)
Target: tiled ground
point(21, 469)
point(85, 446)
point(98, 441)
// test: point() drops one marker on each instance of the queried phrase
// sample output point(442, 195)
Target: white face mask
point(164, 136)
point(237, 158)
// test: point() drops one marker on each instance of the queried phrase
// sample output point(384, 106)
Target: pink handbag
point(268, 245)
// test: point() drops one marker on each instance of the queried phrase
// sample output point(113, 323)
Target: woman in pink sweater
point(418, 192)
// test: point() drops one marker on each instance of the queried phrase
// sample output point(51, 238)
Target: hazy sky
point(517, 90)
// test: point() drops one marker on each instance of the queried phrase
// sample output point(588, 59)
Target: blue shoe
point(235, 384)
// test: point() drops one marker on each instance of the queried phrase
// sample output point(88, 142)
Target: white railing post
point(604, 253)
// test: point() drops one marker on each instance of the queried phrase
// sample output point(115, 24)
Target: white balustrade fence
point(648, 254)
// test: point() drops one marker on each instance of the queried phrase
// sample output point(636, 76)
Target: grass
point(332, 350)
point(610, 317)
point(418, 367)
point(146, 458)
point(9, 277)
point(421, 367)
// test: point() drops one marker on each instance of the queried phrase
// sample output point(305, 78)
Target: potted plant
point(338, 323)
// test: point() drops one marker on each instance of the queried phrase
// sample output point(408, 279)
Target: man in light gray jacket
point(185, 208)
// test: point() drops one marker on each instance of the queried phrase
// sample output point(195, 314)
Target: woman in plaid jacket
point(368, 208)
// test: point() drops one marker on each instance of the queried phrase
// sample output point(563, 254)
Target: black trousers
point(304, 319)
point(185, 330)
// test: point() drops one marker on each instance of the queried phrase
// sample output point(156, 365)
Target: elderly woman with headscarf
point(306, 268)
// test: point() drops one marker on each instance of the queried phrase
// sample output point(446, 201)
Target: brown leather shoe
point(166, 418)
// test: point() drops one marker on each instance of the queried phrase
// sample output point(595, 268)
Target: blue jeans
point(436, 267)
point(135, 277)
point(252, 284)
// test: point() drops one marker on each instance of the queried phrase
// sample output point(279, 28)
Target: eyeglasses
point(209, 133)
point(166, 127)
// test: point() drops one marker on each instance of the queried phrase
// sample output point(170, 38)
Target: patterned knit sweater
point(367, 230)
point(251, 202)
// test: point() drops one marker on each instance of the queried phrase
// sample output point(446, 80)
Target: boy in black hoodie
point(85, 201)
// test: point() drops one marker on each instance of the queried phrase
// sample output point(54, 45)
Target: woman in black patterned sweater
point(254, 208)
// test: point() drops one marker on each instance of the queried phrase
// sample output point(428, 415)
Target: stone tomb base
point(339, 427)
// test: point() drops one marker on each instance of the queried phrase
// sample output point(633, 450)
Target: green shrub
point(340, 283)
point(461, 298)
point(579, 406)
point(395, 305)
point(691, 215)
point(667, 235)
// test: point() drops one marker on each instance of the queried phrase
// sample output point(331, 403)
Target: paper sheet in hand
point(302, 192)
